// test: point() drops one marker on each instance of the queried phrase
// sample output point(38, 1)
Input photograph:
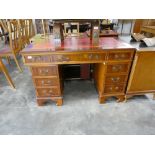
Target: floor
point(81, 112)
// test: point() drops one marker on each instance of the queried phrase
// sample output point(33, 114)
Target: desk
point(45, 56)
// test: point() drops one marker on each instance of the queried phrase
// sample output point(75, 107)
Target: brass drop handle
point(115, 79)
point(90, 56)
point(110, 88)
point(38, 58)
point(59, 58)
point(47, 83)
point(44, 71)
point(50, 91)
point(123, 55)
point(116, 68)
point(65, 58)
point(116, 56)
point(116, 88)
point(44, 91)
point(97, 56)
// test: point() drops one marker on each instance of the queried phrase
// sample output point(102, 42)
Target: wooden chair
point(31, 31)
point(3, 30)
point(23, 27)
point(75, 30)
point(4, 70)
point(14, 46)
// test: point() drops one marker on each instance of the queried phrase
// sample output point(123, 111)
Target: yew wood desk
point(112, 60)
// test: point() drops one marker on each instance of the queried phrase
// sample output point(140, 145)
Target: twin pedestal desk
point(112, 61)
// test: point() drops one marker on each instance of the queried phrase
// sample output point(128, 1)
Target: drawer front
point(47, 92)
point(117, 68)
point(115, 79)
point(43, 82)
point(93, 56)
point(114, 89)
point(37, 58)
point(79, 57)
point(120, 55)
point(45, 71)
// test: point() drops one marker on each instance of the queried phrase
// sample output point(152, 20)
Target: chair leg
point(16, 61)
point(3, 68)
point(8, 59)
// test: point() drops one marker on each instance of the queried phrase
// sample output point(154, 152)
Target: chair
point(75, 28)
point(31, 31)
point(24, 29)
point(4, 70)
point(15, 42)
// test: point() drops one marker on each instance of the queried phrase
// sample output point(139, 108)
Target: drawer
point(115, 79)
point(117, 68)
point(93, 56)
point(47, 92)
point(37, 58)
point(120, 55)
point(43, 82)
point(45, 71)
point(79, 57)
point(114, 89)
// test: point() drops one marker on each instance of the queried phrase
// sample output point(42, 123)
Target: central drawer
point(43, 82)
point(79, 57)
point(47, 92)
point(45, 71)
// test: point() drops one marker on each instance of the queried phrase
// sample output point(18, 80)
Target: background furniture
point(14, 46)
point(142, 78)
point(108, 33)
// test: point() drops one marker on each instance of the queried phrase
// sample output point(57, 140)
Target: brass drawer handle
point(47, 83)
point(115, 79)
point(65, 58)
point(116, 88)
point(116, 56)
point(111, 88)
point(116, 68)
point(46, 71)
point(50, 91)
point(90, 56)
point(44, 91)
point(97, 57)
point(47, 92)
point(123, 55)
point(38, 58)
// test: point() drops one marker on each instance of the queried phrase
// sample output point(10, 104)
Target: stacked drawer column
point(111, 76)
point(47, 84)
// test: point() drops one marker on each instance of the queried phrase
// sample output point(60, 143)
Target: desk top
point(81, 43)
